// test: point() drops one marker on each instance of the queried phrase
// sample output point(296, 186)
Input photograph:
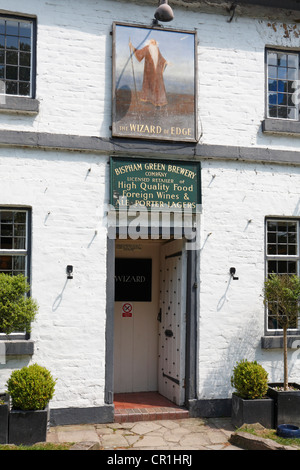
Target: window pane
point(6, 230)
point(272, 72)
point(292, 74)
point(12, 42)
point(5, 263)
point(24, 74)
point(25, 44)
point(6, 217)
point(11, 72)
point(282, 73)
point(24, 89)
point(6, 243)
point(272, 85)
point(282, 112)
point(282, 99)
point(293, 60)
point(272, 58)
point(272, 98)
point(25, 58)
point(12, 57)
point(12, 28)
point(12, 88)
point(282, 60)
point(25, 29)
point(19, 230)
point(19, 243)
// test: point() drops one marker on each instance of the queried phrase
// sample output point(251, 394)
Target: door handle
point(169, 333)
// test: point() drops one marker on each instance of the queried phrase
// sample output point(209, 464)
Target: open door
point(172, 321)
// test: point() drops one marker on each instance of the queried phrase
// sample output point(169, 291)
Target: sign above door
point(155, 184)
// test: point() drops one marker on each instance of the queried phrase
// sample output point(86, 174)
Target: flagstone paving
point(179, 434)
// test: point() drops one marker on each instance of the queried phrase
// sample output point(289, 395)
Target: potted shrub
point(282, 297)
point(250, 403)
point(30, 389)
point(4, 411)
point(17, 309)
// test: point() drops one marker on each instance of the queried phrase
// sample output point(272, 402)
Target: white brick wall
point(74, 89)
point(236, 199)
point(74, 69)
point(67, 203)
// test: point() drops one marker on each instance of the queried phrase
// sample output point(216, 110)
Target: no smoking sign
point(127, 309)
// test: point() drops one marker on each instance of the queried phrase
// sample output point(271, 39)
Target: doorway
point(150, 318)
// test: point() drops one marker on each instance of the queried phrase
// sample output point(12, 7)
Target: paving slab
point(177, 434)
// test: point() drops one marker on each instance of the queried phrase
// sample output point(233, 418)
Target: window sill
point(18, 347)
point(18, 105)
point(281, 126)
point(276, 342)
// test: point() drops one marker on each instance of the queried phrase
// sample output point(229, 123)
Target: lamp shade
point(164, 12)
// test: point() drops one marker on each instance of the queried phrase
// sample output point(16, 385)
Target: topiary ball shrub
point(17, 310)
point(30, 388)
point(250, 380)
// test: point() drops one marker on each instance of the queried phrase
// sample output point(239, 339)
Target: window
point(282, 249)
point(14, 241)
point(17, 56)
point(282, 84)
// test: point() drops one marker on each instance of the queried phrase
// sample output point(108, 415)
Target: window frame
point(281, 51)
point(23, 349)
point(272, 257)
point(21, 104)
point(280, 125)
point(22, 252)
point(33, 38)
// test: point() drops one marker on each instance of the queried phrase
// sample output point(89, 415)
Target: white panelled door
point(172, 326)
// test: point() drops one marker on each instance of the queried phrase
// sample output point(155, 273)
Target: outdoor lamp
point(164, 12)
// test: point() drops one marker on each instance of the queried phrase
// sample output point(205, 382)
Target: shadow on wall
point(244, 344)
point(59, 298)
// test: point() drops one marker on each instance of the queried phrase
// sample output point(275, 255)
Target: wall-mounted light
point(164, 12)
point(69, 272)
point(232, 272)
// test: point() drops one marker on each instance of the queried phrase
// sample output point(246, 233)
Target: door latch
point(159, 316)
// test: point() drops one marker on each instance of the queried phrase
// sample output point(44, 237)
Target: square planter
point(287, 404)
point(4, 413)
point(252, 411)
point(28, 427)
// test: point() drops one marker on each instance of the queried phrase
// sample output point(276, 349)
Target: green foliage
point(250, 380)
point(31, 388)
point(17, 310)
point(282, 295)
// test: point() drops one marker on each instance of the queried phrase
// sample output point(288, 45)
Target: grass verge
point(270, 434)
point(39, 446)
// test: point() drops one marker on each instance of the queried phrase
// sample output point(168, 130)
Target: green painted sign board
point(155, 184)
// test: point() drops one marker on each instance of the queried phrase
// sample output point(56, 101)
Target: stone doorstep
point(148, 414)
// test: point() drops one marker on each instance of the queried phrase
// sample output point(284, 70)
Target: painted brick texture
point(74, 69)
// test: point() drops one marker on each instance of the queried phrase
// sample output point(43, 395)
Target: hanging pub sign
point(154, 83)
point(155, 184)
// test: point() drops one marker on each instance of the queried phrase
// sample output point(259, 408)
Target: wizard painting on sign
point(154, 83)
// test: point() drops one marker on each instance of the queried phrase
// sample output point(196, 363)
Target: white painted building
point(56, 146)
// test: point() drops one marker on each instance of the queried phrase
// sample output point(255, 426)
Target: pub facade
point(150, 181)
